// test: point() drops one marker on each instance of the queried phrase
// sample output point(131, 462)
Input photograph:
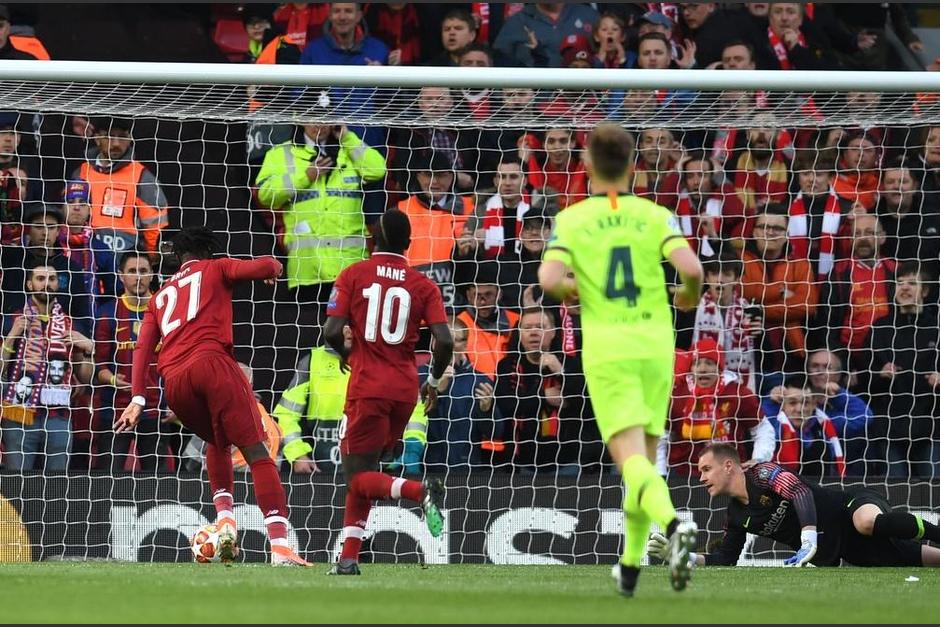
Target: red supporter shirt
point(385, 302)
point(192, 314)
point(870, 298)
point(725, 414)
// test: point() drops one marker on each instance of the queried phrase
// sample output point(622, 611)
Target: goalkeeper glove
point(657, 546)
point(807, 549)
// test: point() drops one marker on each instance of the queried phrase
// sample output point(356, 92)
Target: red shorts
point(213, 399)
point(373, 425)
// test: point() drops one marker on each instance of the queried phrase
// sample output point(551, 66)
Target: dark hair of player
point(393, 232)
point(133, 254)
point(196, 242)
point(611, 149)
point(722, 451)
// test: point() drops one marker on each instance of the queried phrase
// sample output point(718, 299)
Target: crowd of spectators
point(814, 344)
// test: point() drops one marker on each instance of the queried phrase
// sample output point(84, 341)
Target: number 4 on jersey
point(621, 267)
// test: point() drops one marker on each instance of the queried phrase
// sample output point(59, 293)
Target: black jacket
point(721, 28)
point(914, 236)
point(9, 53)
point(910, 342)
point(815, 55)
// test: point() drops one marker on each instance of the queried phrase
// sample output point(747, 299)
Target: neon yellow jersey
point(616, 254)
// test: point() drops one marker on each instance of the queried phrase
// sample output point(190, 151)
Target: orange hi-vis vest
point(116, 207)
point(433, 232)
point(486, 348)
point(31, 45)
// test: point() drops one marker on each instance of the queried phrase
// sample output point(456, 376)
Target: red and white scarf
point(798, 232)
point(729, 330)
point(692, 220)
point(494, 233)
point(569, 345)
point(781, 50)
point(790, 449)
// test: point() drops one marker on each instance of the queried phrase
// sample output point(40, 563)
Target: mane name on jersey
point(387, 272)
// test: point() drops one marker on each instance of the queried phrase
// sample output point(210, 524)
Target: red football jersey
point(385, 301)
point(192, 313)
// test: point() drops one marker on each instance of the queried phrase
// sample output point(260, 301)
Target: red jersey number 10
point(167, 298)
point(395, 297)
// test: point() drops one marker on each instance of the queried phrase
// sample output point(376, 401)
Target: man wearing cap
point(576, 52)
point(519, 265)
point(7, 51)
point(437, 216)
point(128, 208)
point(314, 184)
point(81, 244)
point(40, 247)
point(711, 404)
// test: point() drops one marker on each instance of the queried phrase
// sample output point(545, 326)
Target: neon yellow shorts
point(632, 393)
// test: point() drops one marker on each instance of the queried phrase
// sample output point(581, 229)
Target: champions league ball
point(205, 544)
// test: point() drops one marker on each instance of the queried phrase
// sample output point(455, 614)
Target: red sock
point(220, 470)
point(269, 494)
point(355, 517)
point(378, 486)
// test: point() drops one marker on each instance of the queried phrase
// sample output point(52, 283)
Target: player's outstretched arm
point(727, 553)
point(557, 280)
point(146, 347)
point(442, 352)
point(691, 274)
point(236, 270)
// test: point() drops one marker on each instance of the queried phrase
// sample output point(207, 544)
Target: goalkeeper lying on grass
point(823, 525)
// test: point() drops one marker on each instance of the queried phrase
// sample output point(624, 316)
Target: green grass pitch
point(108, 592)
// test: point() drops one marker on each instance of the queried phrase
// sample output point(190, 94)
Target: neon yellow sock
point(636, 531)
point(647, 491)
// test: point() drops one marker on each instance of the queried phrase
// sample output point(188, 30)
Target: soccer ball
point(205, 544)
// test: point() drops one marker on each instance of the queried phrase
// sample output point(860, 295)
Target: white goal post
point(196, 127)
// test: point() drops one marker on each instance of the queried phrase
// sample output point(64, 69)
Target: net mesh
point(507, 108)
point(527, 476)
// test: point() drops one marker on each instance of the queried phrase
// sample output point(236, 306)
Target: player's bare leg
point(269, 493)
point(647, 500)
point(221, 481)
point(365, 484)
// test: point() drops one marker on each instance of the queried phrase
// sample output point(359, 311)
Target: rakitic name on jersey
point(618, 220)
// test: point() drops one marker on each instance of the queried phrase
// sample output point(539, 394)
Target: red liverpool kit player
point(192, 316)
point(384, 302)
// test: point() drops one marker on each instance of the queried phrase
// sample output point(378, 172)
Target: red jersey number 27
point(395, 298)
point(168, 297)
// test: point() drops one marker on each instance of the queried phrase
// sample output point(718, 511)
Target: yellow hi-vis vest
point(324, 227)
point(317, 392)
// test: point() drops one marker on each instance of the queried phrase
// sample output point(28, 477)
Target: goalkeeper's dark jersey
point(779, 505)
